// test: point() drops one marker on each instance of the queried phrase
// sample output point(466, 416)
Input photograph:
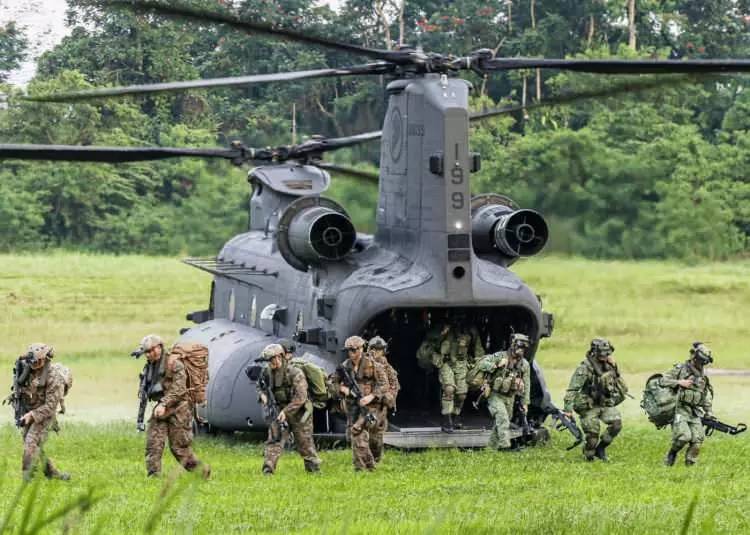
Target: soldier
point(694, 400)
point(507, 375)
point(460, 348)
point(595, 389)
point(172, 416)
point(289, 387)
point(43, 393)
point(364, 414)
point(377, 348)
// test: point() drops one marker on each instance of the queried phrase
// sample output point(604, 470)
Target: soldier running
point(377, 348)
point(41, 393)
point(595, 389)
point(460, 348)
point(694, 400)
point(507, 375)
point(172, 416)
point(289, 387)
point(365, 420)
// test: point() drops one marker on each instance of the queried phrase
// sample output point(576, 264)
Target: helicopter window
point(300, 322)
point(232, 305)
point(253, 312)
point(459, 272)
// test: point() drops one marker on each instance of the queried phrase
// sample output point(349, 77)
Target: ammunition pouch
point(691, 397)
point(156, 392)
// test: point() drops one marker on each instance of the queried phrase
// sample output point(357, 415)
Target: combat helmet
point(377, 342)
point(354, 342)
point(701, 352)
point(150, 341)
point(601, 347)
point(270, 351)
point(40, 351)
point(519, 339)
point(288, 345)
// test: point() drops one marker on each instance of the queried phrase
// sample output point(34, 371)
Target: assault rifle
point(146, 386)
point(356, 392)
point(257, 374)
point(712, 424)
point(522, 419)
point(562, 421)
point(21, 374)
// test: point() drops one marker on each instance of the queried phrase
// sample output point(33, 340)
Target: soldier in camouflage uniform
point(365, 419)
point(43, 394)
point(595, 389)
point(460, 348)
point(289, 387)
point(507, 375)
point(694, 400)
point(377, 348)
point(172, 416)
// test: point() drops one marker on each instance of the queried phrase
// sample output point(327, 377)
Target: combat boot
point(312, 467)
point(691, 455)
point(447, 425)
point(600, 451)
point(458, 421)
point(671, 457)
point(267, 470)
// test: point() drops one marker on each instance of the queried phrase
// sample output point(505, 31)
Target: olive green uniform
point(459, 350)
point(366, 437)
point(44, 394)
point(389, 401)
point(692, 404)
point(289, 387)
point(595, 389)
point(506, 380)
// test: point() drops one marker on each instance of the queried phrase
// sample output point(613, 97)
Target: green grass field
point(95, 309)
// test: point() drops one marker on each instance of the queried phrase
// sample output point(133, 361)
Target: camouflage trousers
point(590, 419)
point(453, 383)
point(687, 429)
point(367, 440)
point(177, 427)
point(501, 410)
point(34, 436)
point(301, 432)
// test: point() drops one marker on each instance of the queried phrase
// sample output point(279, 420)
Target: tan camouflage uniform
point(367, 438)
point(389, 403)
point(289, 387)
point(177, 423)
point(44, 393)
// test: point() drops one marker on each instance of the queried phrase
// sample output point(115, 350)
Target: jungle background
point(658, 174)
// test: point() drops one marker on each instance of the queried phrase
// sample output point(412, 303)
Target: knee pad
point(449, 391)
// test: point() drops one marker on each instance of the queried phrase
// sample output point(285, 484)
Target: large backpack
point(659, 402)
point(317, 389)
point(195, 358)
point(67, 377)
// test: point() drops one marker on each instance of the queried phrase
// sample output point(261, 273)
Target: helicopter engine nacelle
point(499, 226)
point(314, 230)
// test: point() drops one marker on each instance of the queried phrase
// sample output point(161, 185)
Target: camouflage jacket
point(174, 384)
point(506, 378)
point(697, 399)
point(44, 392)
point(595, 385)
point(289, 387)
point(462, 345)
point(394, 386)
point(371, 378)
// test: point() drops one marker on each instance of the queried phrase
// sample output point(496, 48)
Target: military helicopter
point(302, 271)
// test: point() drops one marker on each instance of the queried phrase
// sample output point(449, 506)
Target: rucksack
point(659, 402)
point(194, 356)
point(317, 389)
point(67, 377)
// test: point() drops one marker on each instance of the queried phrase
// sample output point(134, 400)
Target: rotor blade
point(372, 68)
point(350, 171)
point(627, 87)
point(199, 15)
point(74, 153)
point(620, 66)
point(350, 141)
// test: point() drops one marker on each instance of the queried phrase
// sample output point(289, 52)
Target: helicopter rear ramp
point(432, 437)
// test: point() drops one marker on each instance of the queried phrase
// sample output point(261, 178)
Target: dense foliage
point(655, 174)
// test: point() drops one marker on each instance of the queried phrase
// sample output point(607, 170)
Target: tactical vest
point(282, 385)
point(508, 380)
point(36, 389)
point(365, 375)
point(154, 378)
point(605, 385)
point(459, 346)
point(695, 396)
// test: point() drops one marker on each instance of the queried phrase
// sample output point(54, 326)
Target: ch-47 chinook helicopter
point(302, 271)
